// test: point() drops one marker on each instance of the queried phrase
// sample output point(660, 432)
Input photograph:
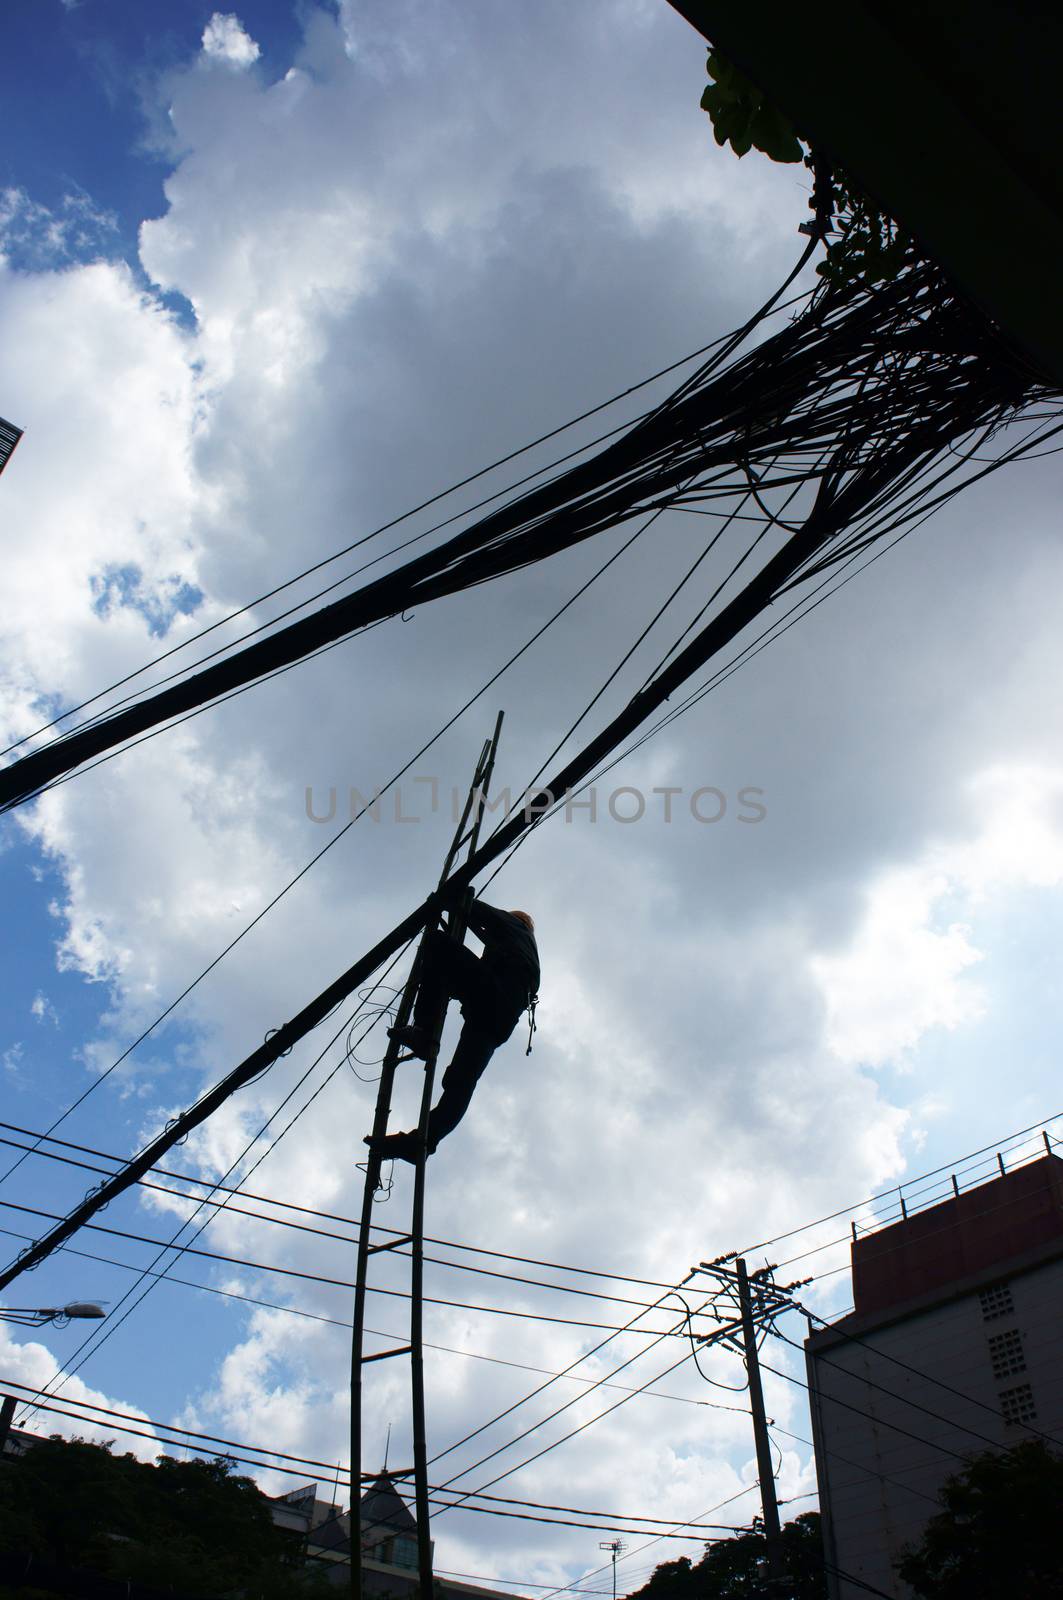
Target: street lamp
point(36, 1317)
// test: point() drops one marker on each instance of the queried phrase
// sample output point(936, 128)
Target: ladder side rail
point(372, 1178)
point(457, 922)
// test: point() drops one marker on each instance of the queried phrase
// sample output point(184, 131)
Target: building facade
point(389, 1543)
point(954, 1348)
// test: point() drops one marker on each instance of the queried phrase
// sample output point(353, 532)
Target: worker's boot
point(395, 1146)
point(417, 1040)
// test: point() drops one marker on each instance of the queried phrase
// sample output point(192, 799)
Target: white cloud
point(226, 39)
point(907, 969)
point(395, 276)
point(30, 1365)
point(11, 1059)
point(34, 235)
point(43, 1010)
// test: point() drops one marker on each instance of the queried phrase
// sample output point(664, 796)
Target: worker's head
point(522, 916)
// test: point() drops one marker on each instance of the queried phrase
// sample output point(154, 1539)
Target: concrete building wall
point(987, 1348)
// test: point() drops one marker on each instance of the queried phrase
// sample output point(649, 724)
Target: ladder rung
point(382, 1355)
point(392, 1244)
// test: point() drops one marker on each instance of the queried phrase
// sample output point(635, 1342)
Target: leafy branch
point(862, 243)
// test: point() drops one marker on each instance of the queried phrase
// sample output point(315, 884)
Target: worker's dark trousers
point(451, 971)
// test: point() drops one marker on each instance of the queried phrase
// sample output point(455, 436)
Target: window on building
point(1017, 1404)
point(1006, 1353)
point(996, 1302)
point(405, 1552)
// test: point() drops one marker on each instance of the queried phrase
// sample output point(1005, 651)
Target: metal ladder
point(463, 846)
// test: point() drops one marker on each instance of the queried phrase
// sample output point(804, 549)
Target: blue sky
point(252, 305)
point(78, 80)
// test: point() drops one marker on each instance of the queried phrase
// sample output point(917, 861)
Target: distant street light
point(59, 1315)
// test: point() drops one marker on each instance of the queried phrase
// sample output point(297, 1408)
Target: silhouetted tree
point(733, 1569)
point(195, 1526)
point(998, 1533)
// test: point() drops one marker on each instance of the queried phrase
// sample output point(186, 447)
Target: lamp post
point(37, 1316)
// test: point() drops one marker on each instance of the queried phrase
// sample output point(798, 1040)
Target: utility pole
point(765, 1469)
point(616, 1546)
point(7, 1416)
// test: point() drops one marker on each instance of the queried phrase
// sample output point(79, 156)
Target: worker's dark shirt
point(510, 959)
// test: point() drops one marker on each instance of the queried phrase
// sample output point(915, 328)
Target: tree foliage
point(733, 1569)
point(998, 1533)
point(194, 1525)
point(864, 244)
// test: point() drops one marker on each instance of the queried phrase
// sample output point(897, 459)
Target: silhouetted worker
point(494, 989)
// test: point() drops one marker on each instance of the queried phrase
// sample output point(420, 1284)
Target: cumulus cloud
point(226, 39)
point(30, 1365)
point(907, 968)
point(43, 1010)
point(35, 235)
point(394, 278)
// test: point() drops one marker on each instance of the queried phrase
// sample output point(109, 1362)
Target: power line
point(885, 1194)
point(629, 1327)
point(963, 1166)
point(582, 1427)
point(120, 1421)
point(879, 1421)
point(381, 1333)
point(795, 373)
point(871, 1472)
point(403, 517)
point(312, 1211)
point(336, 837)
point(93, 1342)
point(322, 1233)
point(916, 1372)
point(973, 393)
point(570, 1588)
point(339, 1283)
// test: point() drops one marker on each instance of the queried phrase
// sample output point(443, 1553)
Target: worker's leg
point(474, 1051)
point(450, 970)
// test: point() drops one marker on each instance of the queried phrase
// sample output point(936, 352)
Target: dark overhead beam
point(947, 114)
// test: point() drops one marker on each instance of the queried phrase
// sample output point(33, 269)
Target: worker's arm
point(485, 920)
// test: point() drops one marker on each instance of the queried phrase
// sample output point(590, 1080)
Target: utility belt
point(533, 1001)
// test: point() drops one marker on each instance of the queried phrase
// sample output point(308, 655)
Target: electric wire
point(329, 1477)
point(534, 1393)
point(405, 516)
point(187, 1435)
point(534, 638)
point(569, 1588)
point(916, 1372)
point(323, 1233)
point(94, 1341)
point(343, 1283)
point(924, 452)
point(556, 1443)
point(327, 1216)
point(382, 1333)
point(871, 1472)
point(902, 302)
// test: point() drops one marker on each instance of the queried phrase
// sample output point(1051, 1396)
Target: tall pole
point(765, 1469)
point(7, 1414)
point(615, 1545)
